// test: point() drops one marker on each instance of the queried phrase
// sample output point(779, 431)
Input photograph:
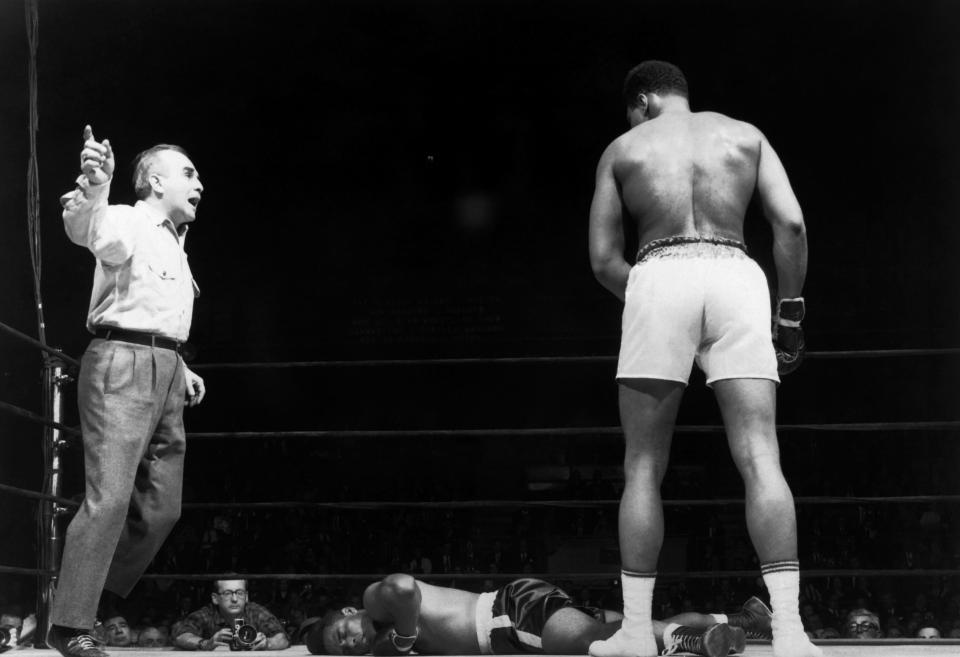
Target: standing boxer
point(685, 178)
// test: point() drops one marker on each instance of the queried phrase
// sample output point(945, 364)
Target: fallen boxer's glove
point(403, 644)
point(391, 643)
point(788, 336)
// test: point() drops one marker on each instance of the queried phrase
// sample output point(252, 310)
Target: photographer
point(231, 621)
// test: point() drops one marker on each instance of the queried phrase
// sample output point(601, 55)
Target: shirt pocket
point(164, 263)
point(163, 271)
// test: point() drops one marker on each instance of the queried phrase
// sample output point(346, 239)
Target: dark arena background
point(394, 233)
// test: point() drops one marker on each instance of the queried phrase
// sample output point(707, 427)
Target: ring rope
point(521, 360)
point(941, 425)
point(881, 353)
point(16, 570)
point(22, 492)
point(562, 504)
point(39, 345)
point(39, 419)
point(692, 574)
point(504, 504)
point(936, 425)
point(862, 353)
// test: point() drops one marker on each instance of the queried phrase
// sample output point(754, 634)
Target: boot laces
point(680, 642)
point(85, 642)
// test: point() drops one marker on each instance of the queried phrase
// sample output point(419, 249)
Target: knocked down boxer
point(527, 616)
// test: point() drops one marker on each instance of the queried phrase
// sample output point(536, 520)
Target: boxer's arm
point(782, 210)
point(396, 600)
point(606, 229)
point(278, 641)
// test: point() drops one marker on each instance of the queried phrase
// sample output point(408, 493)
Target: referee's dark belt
point(138, 337)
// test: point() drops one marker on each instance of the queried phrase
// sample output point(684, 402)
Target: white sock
point(720, 618)
point(635, 636)
point(783, 582)
point(638, 603)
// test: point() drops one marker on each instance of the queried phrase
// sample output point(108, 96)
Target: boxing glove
point(788, 335)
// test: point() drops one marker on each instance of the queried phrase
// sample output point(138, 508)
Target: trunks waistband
point(710, 246)
point(484, 620)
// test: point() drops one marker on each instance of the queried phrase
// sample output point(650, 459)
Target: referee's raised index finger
point(87, 133)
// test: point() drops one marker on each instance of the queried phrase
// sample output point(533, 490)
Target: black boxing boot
point(715, 641)
point(754, 617)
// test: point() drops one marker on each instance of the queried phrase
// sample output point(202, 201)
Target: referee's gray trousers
point(131, 400)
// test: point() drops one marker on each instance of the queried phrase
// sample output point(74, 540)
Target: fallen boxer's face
point(351, 634)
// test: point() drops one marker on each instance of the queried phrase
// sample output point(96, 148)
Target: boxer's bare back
point(684, 173)
point(690, 173)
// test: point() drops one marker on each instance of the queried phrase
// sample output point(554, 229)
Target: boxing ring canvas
point(831, 649)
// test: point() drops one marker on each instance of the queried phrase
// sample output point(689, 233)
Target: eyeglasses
point(227, 593)
point(865, 626)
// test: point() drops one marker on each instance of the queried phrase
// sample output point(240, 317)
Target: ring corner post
point(55, 377)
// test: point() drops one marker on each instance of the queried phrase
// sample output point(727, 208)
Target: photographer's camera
point(244, 635)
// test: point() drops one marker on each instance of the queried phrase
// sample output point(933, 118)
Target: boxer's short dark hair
point(313, 634)
point(653, 76)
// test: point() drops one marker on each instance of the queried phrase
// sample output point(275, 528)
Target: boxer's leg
point(648, 411)
point(748, 407)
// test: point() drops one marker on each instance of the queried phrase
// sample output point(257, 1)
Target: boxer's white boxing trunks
point(696, 300)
